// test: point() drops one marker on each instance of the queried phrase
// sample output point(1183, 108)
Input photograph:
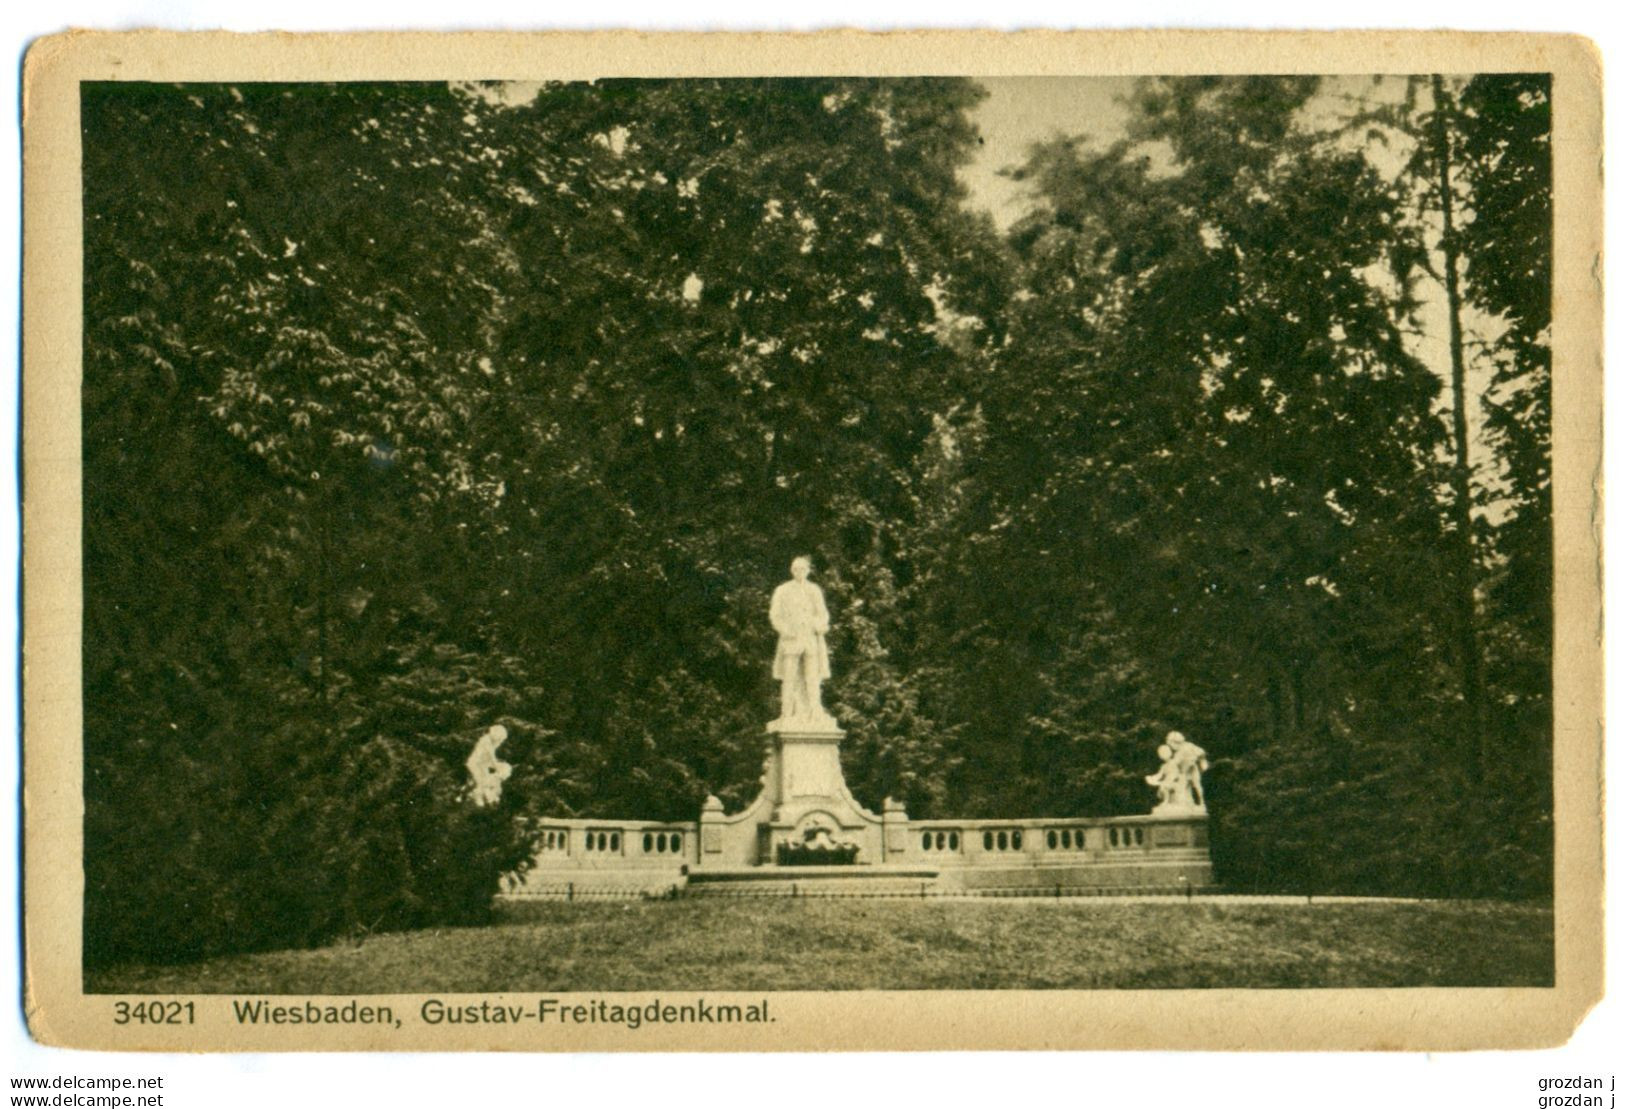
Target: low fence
point(932, 892)
point(1098, 895)
point(589, 891)
point(926, 891)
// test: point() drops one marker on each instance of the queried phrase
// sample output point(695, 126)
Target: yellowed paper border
point(1409, 1019)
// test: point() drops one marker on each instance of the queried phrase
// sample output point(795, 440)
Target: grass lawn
point(855, 945)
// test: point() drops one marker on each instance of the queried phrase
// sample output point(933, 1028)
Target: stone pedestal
point(804, 799)
point(807, 797)
point(804, 769)
point(894, 829)
point(712, 821)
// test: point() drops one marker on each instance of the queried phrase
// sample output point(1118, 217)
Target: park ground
point(858, 945)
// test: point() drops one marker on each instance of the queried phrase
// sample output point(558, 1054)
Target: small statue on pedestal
point(486, 769)
point(1178, 781)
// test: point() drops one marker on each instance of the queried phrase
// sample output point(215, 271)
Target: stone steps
point(812, 881)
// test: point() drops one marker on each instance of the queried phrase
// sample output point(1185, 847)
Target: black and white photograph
point(604, 551)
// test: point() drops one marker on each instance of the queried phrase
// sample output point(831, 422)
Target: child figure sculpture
point(1179, 780)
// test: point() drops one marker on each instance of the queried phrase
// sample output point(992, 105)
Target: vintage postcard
point(644, 542)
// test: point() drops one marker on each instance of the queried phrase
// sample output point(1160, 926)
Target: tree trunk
point(1465, 570)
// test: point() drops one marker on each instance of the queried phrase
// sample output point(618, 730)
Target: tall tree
point(1188, 434)
point(1441, 151)
point(1480, 176)
point(1504, 135)
point(277, 708)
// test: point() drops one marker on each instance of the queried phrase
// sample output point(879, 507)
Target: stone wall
point(575, 857)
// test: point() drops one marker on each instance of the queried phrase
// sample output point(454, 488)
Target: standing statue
point(802, 661)
point(1179, 780)
point(486, 769)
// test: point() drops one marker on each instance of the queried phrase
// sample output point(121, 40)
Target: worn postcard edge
point(60, 1013)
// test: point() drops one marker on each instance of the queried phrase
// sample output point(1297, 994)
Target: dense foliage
point(413, 409)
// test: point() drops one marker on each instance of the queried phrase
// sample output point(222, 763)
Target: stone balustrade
point(596, 844)
point(1022, 857)
point(1037, 855)
point(1038, 841)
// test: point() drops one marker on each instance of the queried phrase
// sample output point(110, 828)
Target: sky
point(1020, 111)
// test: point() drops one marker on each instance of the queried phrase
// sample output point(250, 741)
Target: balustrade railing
point(1076, 840)
point(605, 842)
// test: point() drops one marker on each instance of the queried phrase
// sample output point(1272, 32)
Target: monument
point(802, 661)
point(486, 771)
point(804, 796)
point(806, 834)
point(804, 810)
point(1179, 781)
